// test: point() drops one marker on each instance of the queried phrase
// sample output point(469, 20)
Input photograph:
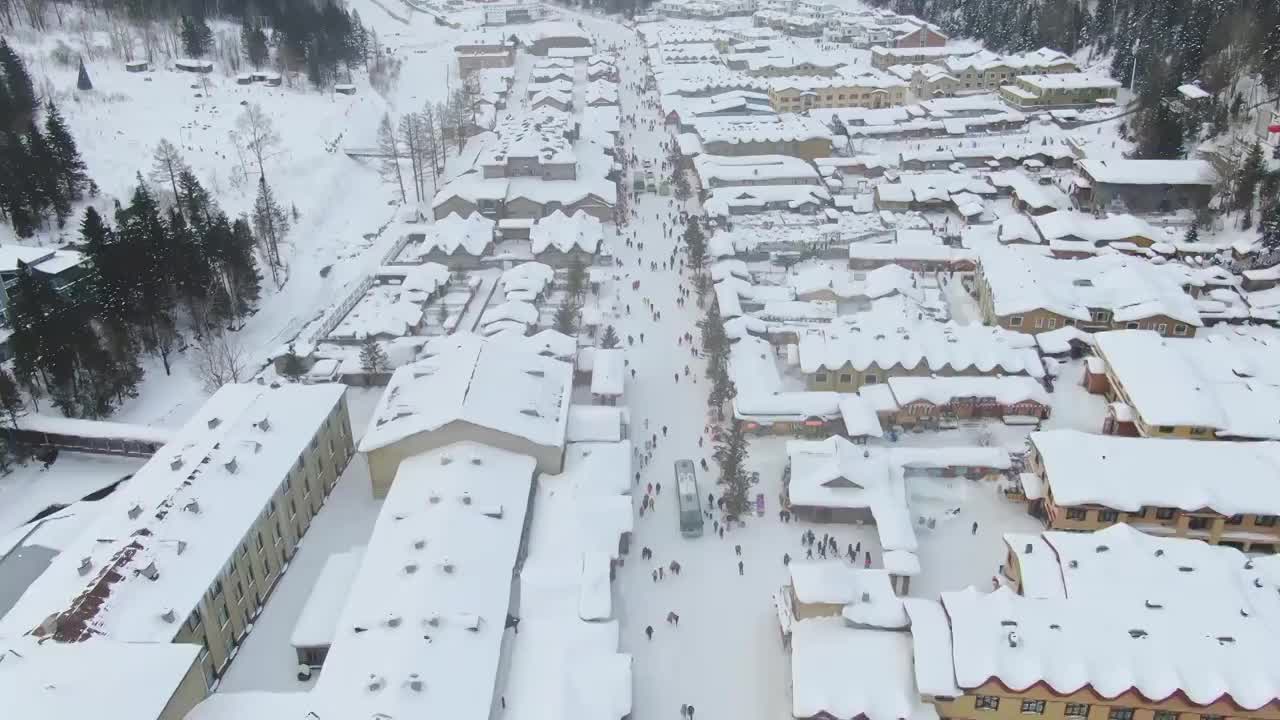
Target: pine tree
point(82, 78)
point(253, 42)
point(372, 357)
point(695, 246)
point(291, 365)
point(1250, 175)
point(609, 339)
point(46, 191)
point(1193, 234)
point(731, 456)
point(21, 91)
point(576, 279)
point(18, 169)
point(72, 175)
point(271, 223)
point(1271, 228)
point(197, 37)
point(12, 404)
point(566, 320)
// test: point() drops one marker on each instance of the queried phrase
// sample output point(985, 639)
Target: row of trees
point(154, 272)
point(41, 172)
point(423, 138)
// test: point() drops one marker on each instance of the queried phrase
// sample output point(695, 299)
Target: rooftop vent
point(375, 683)
point(230, 465)
point(135, 511)
point(1185, 568)
point(1154, 605)
point(1008, 623)
point(477, 461)
point(85, 566)
point(531, 412)
point(494, 511)
point(1257, 582)
point(447, 567)
point(214, 422)
point(1159, 552)
point(415, 682)
point(1224, 639)
point(419, 544)
point(1055, 626)
point(1073, 564)
point(393, 621)
point(1014, 639)
point(1137, 634)
point(1102, 548)
point(866, 597)
point(175, 463)
point(445, 459)
point(169, 616)
point(465, 499)
point(434, 500)
point(264, 424)
point(150, 572)
point(192, 507)
point(182, 546)
point(411, 568)
point(536, 373)
point(1027, 548)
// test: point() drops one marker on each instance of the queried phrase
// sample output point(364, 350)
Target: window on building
point(1120, 713)
point(1198, 523)
point(1076, 514)
point(1053, 323)
point(293, 510)
point(846, 378)
point(1265, 521)
point(819, 377)
point(223, 617)
point(239, 591)
point(1208, 717)
point(1032, 707)
point(870, 379)
point(259, 541)
point(1131, 326)
point(279, 532)
point(1166, 429)
point(1077, 710)
point(193, 620)
point(1107, 515)
point(1179, 329)
point(1162, 328)
point(1235, 520)
point(1015, 321)
point(986, 702)
point(217, 587)
point(1199, 430)
point(1164, 514)
point(1039, 323)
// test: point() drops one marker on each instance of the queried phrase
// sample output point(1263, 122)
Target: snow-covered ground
point(31, 488)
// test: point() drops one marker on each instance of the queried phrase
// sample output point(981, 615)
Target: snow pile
point(1128, 474)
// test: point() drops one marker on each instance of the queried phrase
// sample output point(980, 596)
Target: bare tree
point(220, 360)
point(166, 166)
point(411, 134)
point(258, 134)
point(431, 142)
point(389, 150)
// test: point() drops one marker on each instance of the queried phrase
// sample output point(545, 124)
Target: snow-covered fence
point(341, 310)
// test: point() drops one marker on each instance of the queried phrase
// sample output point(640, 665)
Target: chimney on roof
point(169, 616)
point(150, 572)
point(411, 568)
point(214, 422)
point(182, 546)
point(477, 461)
point(419, 544)
point(1014, 639)
point(175, 463)
point(192, 507)
point(230, 465)
point(866, 597)
point(465, 499)
point(375, 683)
point(1027, 549)
point(415, 682)
point(134, 511)
point(85, 565)
point(264, 424)
point(393, 621)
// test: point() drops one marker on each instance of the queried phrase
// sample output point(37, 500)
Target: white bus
point(687, 494)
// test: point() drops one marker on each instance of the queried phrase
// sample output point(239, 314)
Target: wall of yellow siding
point(1010, 706)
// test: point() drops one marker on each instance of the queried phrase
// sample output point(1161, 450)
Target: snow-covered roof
point(607, 372)
point(1224, 382)
point(184, 512)
point(901, 562)
point(867, 596)
point(1056, 342)
point(783, 128)
point(862, 343)
point(472, 235)
point(1112, 647)
point(1069, 81)
point(594, 423)
point(931, 648)
point(422, 631)
point(942, 390)
point(1127, 473)
point(985, 60)
point(318, 620)
point(748, 169)
point(97, 678)
point(859, 416)
point(478, 382)
point(836, 473)
point(100, 429)
point(724, 201)
point(1193, 92)
point(1069, 224)
point(844, 672)
point(1022, 279)
point(880, 282)
point(1149, 172)
point(579, 231)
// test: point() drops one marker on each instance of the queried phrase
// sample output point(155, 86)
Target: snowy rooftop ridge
point(1111, 648)
point(938, 346)
point(566, 233)
point(161, 541)
point(479, 382)
point(1127, 474)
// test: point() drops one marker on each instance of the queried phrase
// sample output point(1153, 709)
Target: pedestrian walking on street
point(684, 710)
point(675, 567)
point(721, 532)
point(655, 576)
point(737, 550)
point(648, 630)
point(645, 553)
point(786, 559)
point(715, 525)
point(852, 557)
point(975, 528)
point(690, 712)
point(867, 564)
point(739, 567)
point(664, 431)
point(857, 548)
point(657, 489)
point(661, 576)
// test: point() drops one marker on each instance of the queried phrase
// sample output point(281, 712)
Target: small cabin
point(137, 66)
point(345, 89)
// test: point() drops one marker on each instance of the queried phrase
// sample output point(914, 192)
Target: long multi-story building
point(189, 549)
point(868, 90)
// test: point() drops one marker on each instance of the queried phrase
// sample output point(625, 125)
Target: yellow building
point(1058, 90)
point(1080, 481)
point(1216, 388)
point(872, 90)
point(188, 551)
